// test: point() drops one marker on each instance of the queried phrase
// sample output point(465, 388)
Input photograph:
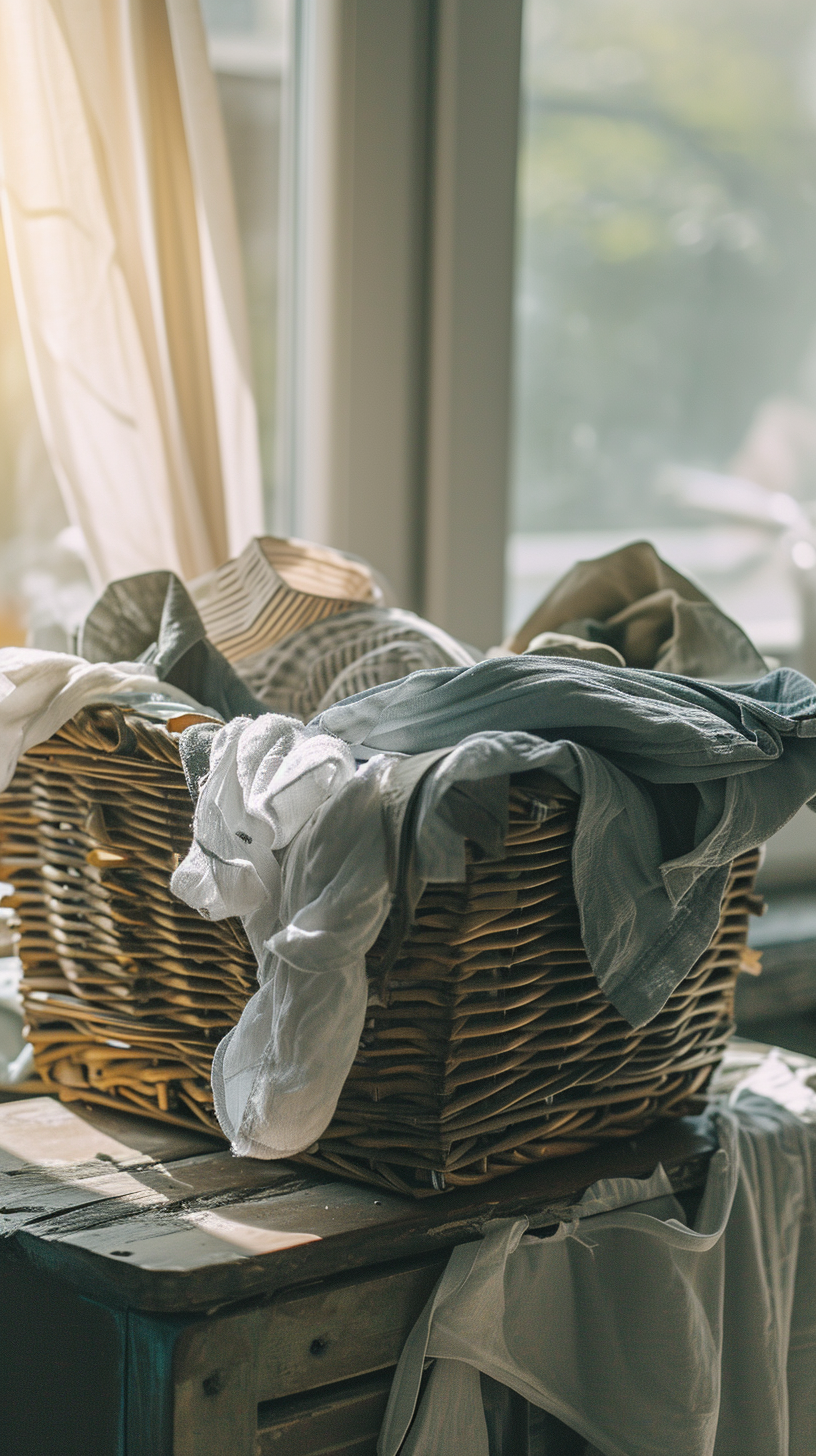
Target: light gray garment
point(647, 1337)
point(345, 654)
point(676, 777)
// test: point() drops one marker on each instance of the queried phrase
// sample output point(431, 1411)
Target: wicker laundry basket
point(488, 1045)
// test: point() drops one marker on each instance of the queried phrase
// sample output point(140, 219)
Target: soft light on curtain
point(123, 245)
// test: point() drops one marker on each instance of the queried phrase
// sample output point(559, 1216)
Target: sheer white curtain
point(123, 245)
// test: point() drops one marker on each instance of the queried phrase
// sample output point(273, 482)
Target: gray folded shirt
point(675, 776)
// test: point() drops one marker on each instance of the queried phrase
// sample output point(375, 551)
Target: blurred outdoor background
point(666, 300)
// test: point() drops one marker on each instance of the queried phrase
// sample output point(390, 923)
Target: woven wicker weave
point(489, 1044)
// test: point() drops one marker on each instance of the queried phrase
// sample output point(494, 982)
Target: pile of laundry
point(343, 751)
point(720, 1364)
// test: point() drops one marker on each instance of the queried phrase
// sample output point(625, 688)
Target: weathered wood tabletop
point(158, 1219)
point(222, 1288)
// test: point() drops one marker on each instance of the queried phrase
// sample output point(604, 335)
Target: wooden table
point(160, 1296)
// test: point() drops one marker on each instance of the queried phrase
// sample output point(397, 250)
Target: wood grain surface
point(129, 1214)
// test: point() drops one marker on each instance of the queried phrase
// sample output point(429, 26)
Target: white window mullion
point(350, 407)
point(471, 293)
point(396, 424)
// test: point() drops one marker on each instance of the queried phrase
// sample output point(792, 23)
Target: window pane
point(248, 42)
point(666, 298)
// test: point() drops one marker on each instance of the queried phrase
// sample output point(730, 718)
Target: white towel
point(39, 691)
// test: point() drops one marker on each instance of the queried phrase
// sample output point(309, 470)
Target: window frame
point(395, 415)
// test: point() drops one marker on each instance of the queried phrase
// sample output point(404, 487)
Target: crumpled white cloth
point(274, 819)
point(647, 1337)
point(40, 691)
point(266, 778)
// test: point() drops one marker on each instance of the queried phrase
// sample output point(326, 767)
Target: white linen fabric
point(39, 691)
point(647, 1337)
point(265, 780)
point(126, 267)
point(265, 848)
point(301, 843)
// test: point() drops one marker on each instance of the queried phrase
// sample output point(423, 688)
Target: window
point(249, 53)
point(666, 300)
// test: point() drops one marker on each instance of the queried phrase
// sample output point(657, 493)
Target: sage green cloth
point(152, 619)
point(644, 609)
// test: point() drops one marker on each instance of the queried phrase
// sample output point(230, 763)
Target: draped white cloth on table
point(125, 260)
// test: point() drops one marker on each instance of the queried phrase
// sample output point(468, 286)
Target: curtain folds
point(123, 246)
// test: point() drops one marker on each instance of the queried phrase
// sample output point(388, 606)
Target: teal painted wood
point(151, 1345)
